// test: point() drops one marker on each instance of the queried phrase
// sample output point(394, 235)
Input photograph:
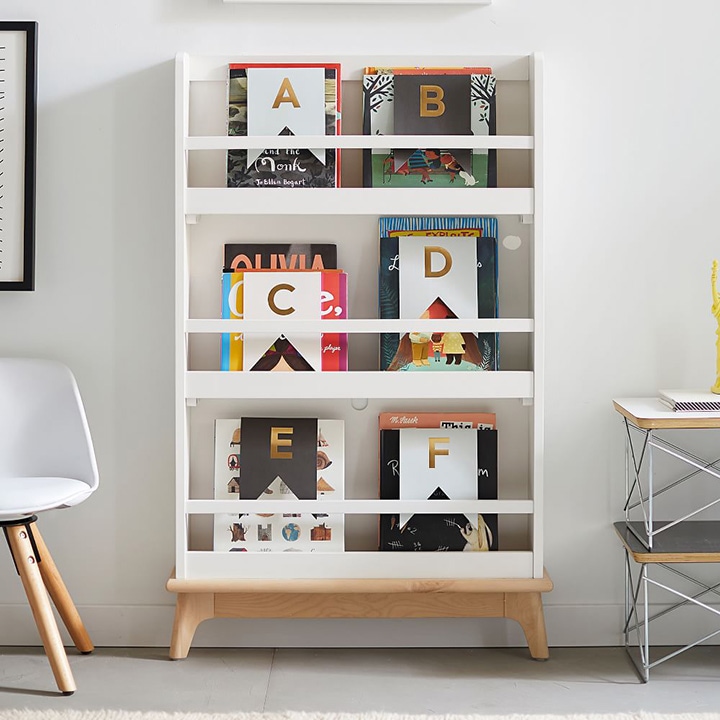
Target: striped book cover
point(690, 401)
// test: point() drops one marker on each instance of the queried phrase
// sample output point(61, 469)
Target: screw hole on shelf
point(512, 242)
point(359, 403)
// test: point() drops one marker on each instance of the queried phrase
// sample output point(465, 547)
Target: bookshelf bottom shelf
point(518, 599)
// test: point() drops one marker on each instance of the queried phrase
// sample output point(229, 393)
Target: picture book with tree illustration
point(429, 101)
point(283, 100)
point(438, 268)
point(279, 459)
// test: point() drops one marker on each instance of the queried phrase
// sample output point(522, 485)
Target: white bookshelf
point(208, 214)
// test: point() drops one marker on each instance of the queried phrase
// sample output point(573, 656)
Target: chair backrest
point(43, 427)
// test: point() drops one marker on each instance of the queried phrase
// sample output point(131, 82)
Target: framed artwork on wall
point(18, 114)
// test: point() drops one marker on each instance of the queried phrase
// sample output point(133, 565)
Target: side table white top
point(649, 413)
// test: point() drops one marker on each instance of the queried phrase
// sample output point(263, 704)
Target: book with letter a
point(279, 459)
point(282, 100)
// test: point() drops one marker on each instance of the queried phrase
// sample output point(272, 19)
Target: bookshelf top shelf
point(505, 67)
point(358, 201)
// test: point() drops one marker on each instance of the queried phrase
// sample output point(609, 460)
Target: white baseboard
point(151, 626)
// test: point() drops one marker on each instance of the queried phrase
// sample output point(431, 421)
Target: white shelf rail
point(360, 507)
point(343, 142)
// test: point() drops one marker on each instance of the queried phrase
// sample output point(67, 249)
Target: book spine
point(231, 348)
point(487, 463)
point(388, 297)
point(389, 483)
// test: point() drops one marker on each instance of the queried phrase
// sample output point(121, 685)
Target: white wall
point(631, 152)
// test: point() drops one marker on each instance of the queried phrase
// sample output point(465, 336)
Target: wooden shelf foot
point(527, 609)
point(28, 568)
point(518, 599)
point(190, 610)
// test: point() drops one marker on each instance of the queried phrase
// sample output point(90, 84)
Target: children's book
point(279, 256)
point(277, 99)
point(438, 268)
point(279, 459)
point(448, 419)
point(291, 295)
point(429, 101)
point(436, 463)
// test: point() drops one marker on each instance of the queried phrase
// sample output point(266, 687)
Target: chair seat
point(23, 496)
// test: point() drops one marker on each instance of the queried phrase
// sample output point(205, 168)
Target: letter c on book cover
point(271, 299)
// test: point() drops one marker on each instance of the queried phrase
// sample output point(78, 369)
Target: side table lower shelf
point(690, 542)
point(512, 598)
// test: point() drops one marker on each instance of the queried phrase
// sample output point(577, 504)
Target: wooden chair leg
point(527, 609)
point(60, 595)
point(190, 610)
point(27, 565)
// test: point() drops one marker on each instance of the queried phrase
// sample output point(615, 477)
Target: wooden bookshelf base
point(516, 599)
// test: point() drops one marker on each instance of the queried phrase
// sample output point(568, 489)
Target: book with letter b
point(291, 295)
point(282, 100)
point(437, 462)
point(279, 459)
point(429, 101)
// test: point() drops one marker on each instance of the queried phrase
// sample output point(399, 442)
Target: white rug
point(123, 715)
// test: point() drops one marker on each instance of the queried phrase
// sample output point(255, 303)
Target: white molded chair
point(47, 461)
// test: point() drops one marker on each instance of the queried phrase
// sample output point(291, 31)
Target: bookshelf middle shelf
point(358, 384)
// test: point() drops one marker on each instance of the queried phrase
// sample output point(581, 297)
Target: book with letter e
point(279, 459)
point(690, 400)
point(282, 100)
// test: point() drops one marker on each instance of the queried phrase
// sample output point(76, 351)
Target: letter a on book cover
point(282, 100)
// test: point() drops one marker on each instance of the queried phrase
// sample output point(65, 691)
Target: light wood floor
point(424, 681)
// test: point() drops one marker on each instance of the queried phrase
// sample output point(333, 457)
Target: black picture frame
point(18, 142)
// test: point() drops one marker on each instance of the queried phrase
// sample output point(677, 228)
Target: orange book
point(450, 420)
